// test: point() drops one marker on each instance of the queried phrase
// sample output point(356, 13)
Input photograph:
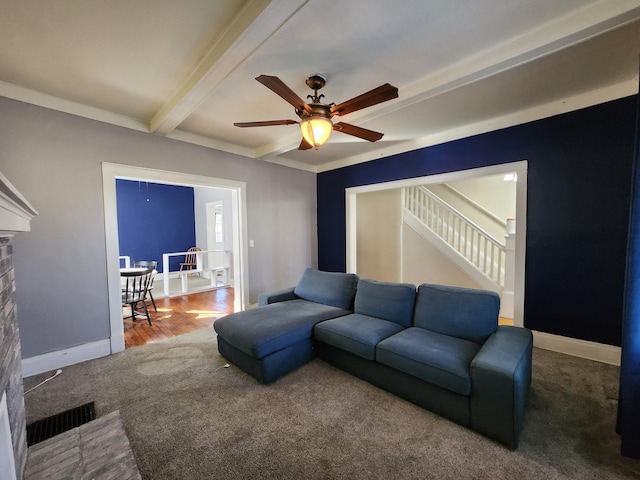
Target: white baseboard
point(599, 352)
point(64, 358)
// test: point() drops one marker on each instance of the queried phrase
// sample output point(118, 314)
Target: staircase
point(484, 258)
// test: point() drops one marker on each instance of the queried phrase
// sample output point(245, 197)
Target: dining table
point(128, 271)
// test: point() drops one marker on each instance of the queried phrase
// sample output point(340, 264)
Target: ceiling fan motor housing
point(317, 110)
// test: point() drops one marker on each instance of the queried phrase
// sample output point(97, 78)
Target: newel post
point(507, 300)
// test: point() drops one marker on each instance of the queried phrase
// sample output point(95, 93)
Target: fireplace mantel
point(15, 211)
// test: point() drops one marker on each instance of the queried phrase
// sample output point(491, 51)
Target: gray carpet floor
point(188, 416)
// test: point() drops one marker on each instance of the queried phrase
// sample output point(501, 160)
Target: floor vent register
point(51, 426)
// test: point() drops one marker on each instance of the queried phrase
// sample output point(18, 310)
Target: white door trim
point(112, 171)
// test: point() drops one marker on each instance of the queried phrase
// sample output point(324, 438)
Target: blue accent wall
point(578, 202)
point(154, 219)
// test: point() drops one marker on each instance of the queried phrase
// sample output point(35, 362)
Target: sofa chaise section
point(275, 338)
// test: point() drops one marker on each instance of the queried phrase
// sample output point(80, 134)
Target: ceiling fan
point(315, 117)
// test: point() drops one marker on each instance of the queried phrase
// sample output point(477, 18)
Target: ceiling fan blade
point(304, 145)
point(373, 97)
point(268, 123)
point(357, 131)
point(280, 88)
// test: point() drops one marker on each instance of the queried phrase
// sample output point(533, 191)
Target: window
point(218, 227)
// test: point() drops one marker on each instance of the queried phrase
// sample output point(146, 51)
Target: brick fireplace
point(15, 216)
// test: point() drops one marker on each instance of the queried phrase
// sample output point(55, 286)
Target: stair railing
point(468, 239)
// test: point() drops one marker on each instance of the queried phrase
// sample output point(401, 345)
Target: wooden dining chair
point(149, 264)
point(190, 259)
point(135, 286)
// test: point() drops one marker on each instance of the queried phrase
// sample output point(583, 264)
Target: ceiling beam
point(256, 22)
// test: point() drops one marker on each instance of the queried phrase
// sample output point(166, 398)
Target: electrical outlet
point(251, 244)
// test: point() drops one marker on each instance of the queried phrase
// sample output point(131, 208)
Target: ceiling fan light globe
point(316, 130)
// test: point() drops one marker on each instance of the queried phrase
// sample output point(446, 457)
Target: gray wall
point(54, 160)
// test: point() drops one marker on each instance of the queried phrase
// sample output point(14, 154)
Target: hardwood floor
point(178, 315)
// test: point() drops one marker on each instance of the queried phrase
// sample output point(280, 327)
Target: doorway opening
point(394, 188)
point(238, 234)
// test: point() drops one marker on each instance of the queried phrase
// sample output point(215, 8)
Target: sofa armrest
point(276, 296)
point(500, 381)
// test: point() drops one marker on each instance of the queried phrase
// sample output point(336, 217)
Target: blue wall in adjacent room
point(578, 197)
point(154, 219)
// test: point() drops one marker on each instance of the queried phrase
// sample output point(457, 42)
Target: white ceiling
point(185, 68)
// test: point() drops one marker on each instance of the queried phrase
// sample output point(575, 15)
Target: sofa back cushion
point(456, 311)
point(329, 288)
point(386, 300)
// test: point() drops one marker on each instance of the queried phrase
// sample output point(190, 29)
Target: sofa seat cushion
point(358, 334)
point(433, 357)
point(264, 330)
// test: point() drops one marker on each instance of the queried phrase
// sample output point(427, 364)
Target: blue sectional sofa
point(439, 347)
